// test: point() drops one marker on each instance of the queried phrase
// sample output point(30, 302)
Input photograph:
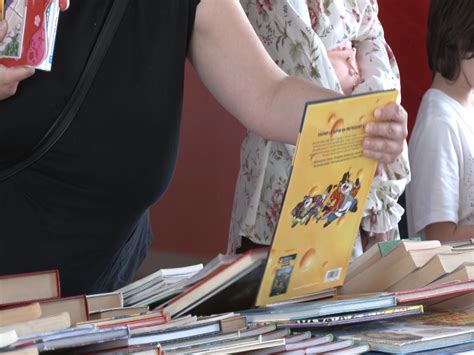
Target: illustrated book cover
point(425, 332)
point(322, 209)
point(32, 26)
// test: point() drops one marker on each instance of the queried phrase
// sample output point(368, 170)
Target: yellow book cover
point(328, 188)
point(1, 9)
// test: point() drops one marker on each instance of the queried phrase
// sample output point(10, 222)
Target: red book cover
point(32, 26)
point(435, 293)
point(32, 39)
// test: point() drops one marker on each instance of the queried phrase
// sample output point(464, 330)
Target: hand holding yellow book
point(323, 206)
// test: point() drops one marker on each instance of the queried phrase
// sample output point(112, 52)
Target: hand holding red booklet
point(32, 26)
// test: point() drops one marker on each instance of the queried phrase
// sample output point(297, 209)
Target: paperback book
point(32, 27)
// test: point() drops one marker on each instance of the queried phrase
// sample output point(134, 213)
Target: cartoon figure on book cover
point(342, 200)
point(309, 207)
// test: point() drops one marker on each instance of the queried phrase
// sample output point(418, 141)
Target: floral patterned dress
point(300, 36)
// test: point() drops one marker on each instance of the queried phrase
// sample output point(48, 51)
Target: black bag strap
point(72, 107)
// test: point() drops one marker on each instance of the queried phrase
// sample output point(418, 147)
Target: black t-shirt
point(83, 207)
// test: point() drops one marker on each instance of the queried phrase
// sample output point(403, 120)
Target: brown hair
point(450, 35)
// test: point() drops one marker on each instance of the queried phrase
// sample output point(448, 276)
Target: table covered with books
point(426, 306)
point(301, 295)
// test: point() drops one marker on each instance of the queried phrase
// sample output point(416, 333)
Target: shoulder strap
point(71, 108)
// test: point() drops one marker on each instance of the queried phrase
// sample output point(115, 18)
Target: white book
point(8, 338)
point(52, 18)
point(160, 275)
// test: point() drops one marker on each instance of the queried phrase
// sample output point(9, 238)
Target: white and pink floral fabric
point(338, 44)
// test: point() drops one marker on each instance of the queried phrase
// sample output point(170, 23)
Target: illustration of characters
point(308, 208)
point(342, 200)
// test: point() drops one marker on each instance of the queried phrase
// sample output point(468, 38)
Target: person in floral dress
point(340, 45)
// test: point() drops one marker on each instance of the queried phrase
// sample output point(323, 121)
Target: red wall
point(193, 217)
point(405, 22)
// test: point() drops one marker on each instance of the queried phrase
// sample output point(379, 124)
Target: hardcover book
point(465, 271)
point(383, 249)
point(322, 209)
point(215, 282)
point(438, 266)
point(102, 301)
point(75, 306)
point(436, 293)
point(390, 269)
point(35, 286)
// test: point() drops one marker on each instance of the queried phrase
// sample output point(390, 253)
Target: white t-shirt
point(441, 152)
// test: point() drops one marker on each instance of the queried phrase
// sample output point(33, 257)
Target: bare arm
point(235, 67)
point(448, 231)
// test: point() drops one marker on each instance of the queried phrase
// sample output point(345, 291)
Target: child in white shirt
point(440, 197)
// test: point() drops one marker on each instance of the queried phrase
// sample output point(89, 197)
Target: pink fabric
point(344, 63)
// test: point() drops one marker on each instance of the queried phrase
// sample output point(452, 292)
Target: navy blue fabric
point(83, 208)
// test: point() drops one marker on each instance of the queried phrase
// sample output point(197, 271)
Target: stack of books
point(439, 276)
point(285, 299)
point(35, 318)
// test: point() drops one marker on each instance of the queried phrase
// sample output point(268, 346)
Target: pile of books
point(286, 299)
point(35, 318)
point(441, 274)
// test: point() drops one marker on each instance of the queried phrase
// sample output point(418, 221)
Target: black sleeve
point(192, 5)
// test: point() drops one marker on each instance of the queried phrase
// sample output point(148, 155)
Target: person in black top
point(83, 207)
